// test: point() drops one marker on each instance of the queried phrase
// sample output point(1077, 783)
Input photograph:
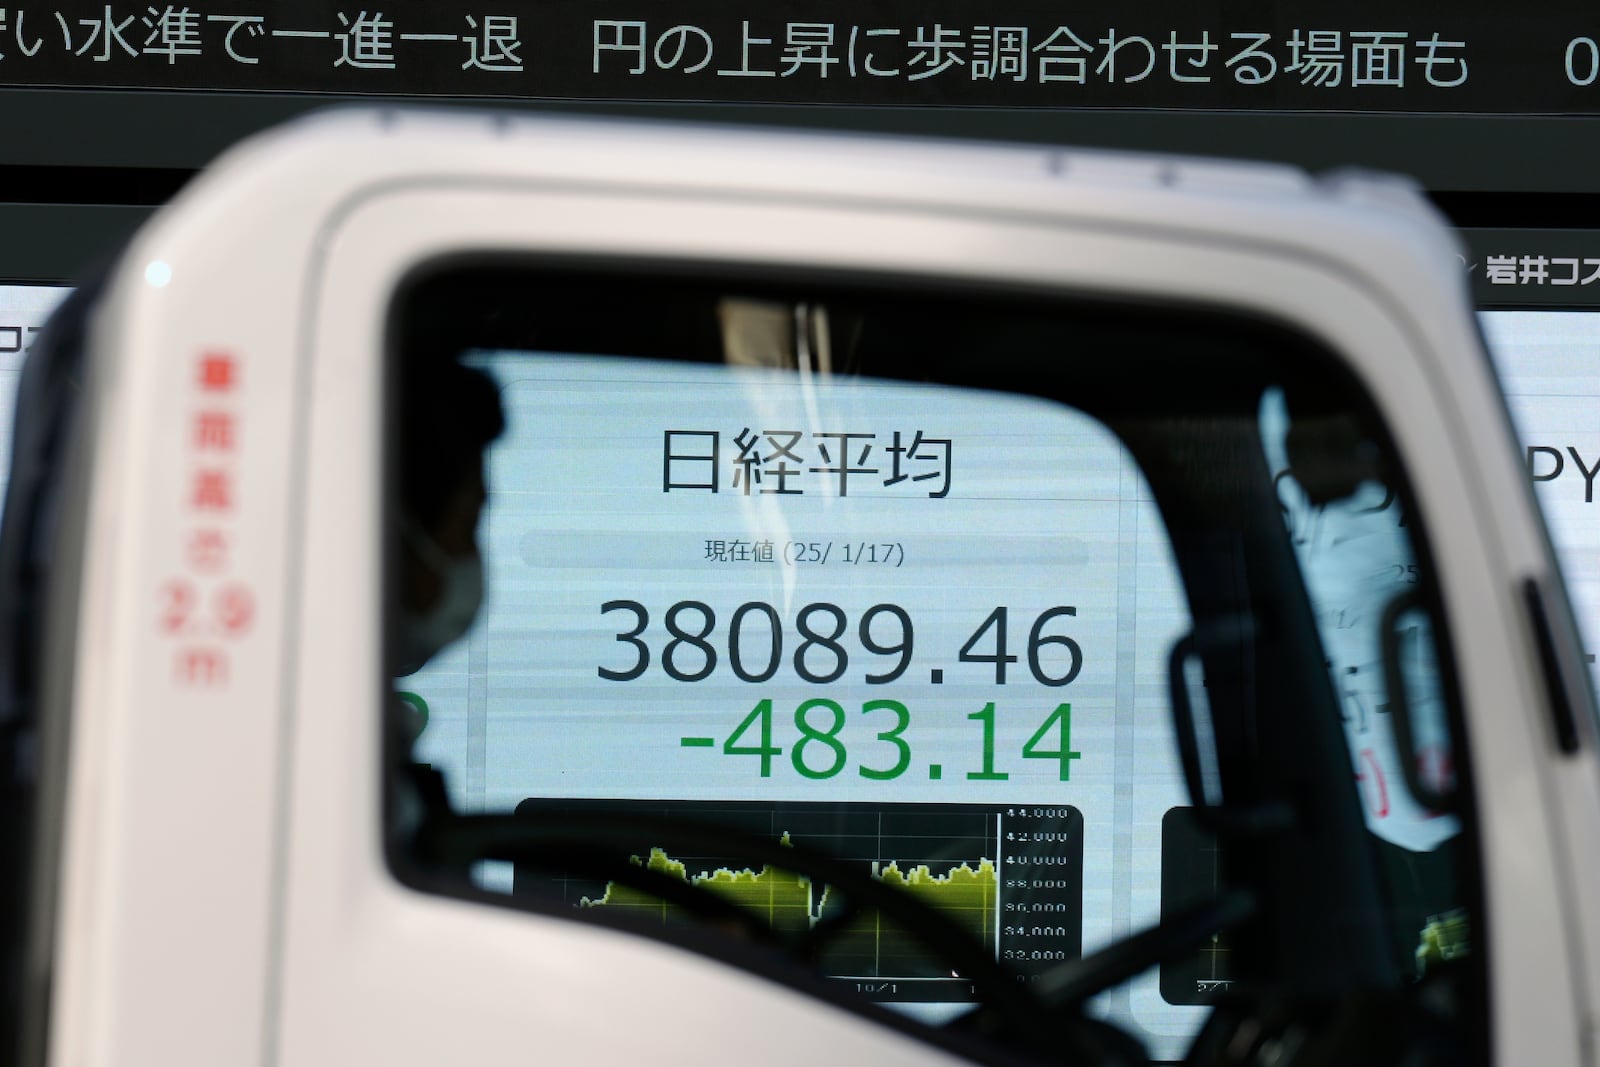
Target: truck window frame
point(759, 277)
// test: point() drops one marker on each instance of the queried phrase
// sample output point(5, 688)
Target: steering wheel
point(1045, 1016)
point(1063, 990)
point(597, 843)
point(1070, 984)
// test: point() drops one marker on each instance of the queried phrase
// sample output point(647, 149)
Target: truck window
point(967, 654)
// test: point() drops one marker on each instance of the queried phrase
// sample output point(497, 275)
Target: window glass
point(792, 595)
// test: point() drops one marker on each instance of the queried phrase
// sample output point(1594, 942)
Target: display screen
point(23, 311)
point(1549, 366)
point(922, 630)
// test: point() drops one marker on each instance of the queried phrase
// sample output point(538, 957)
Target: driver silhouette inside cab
point(450, 414)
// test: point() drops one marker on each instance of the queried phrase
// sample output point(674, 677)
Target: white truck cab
point(499, 590)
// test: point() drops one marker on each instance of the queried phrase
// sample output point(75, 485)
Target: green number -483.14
point(820, 749)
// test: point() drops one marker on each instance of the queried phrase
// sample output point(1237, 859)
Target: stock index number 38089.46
point(756, 643)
